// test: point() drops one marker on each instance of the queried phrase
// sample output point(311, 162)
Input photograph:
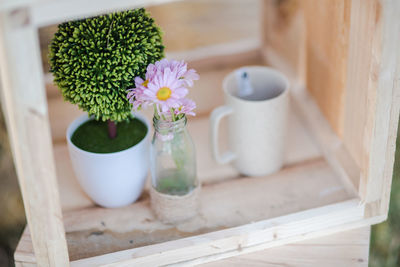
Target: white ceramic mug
point(256, 125)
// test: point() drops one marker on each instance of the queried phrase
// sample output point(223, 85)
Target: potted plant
point(94, 61)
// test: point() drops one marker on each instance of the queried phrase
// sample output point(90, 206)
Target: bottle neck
point(163, 126)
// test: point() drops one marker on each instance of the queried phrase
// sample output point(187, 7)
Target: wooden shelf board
point(312, 195)
point(306, 182)
point(228, 200)
point(300, 148)
point(349, 248)
point(95, 231)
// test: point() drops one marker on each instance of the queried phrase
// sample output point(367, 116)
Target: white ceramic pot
point(111, 179)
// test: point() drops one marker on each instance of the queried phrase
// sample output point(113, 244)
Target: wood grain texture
point(351, 70)
point(283, 34)
point(372, 97)
point(189, 25)
point(384, 130)
point(300, 148)
point(363, 70)
point(48, 12)
point(329, 143)
point(95, 231)
point(25, 264)
point(239, 240)
point(24, 250)
point(309, 39)
point(7, 5)
point(327, 30)
point(349, 248)
point(24, 103)
point(197, 29)
point(219, 210)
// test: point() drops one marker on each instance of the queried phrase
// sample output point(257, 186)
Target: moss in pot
point(94, 62)
point(92, 136)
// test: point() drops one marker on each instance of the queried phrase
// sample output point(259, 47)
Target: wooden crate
point(342, 59)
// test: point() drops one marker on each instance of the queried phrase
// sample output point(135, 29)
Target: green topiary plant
point(95, 60)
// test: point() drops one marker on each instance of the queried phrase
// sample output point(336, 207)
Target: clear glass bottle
point(173, 158)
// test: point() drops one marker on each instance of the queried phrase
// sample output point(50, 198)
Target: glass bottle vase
point(173, 167)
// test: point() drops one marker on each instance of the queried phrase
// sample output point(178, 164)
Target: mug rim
point(269, 69)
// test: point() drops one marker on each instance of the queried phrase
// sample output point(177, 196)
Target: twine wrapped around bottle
point(173, 209)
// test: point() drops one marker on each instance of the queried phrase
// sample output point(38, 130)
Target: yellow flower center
point(163, 93)
point(145, 83)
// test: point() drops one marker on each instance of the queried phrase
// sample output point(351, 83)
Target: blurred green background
point(385, 237)
point(12, 216)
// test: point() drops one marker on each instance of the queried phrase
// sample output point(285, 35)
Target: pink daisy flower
point(180, 67)
point(165, 87)
point(135, 95)
point(187, 107)
point(190, 76)
point(165, 90)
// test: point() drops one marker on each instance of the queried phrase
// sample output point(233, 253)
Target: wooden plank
point(363, 69)
point(372, 97)
point(368, 123)
point(199, 30)
point(24, 250)
point(329, 143)
point(95, 231)
point(244, 250)
point(50, 12)
point(387, 106)
point(283, 35)
point(241, 52)
point(297, 41)
point(235, 241)
point(7, 5)
point(327, 29)
point(332, 147)
point(308, 52)
point(300, 148)
point(206, 25)
point(350, 249)
point(24, 103)
point(72, 195)
point(61, 114)
point(24, 264)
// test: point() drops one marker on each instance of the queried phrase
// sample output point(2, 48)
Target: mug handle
point(215, 119)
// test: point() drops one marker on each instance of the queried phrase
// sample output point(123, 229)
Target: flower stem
point(172, 114)
point(156, 112)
